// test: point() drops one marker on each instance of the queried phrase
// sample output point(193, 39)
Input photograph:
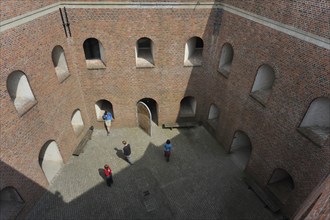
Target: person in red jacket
point(108, 174)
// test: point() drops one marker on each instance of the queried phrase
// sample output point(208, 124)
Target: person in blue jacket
point(167, 150)
point(107, 117)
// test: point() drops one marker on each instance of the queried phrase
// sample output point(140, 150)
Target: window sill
point(142, 63)
point(61, 79)
point(261, 96)
point(213, 123)
point(317, 135)
point(26, 107)
point(78, 129)
point(95, 64)
point(193, 63)
point(224, 72)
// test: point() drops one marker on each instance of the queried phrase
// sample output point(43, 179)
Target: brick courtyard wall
point(121, 82)
point(29, 48)
point(311, 16)
point(300, 76)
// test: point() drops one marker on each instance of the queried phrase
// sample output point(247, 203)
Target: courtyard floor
point(201, 181)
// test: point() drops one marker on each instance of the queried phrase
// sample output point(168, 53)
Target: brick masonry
point(301, 75)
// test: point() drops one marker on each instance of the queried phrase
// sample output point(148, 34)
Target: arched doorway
point(147, 114)
point(50, 159)
point(240, 149)
point(101, 106)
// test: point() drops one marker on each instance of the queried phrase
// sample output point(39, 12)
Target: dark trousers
point(167, 154)
point(109, 180)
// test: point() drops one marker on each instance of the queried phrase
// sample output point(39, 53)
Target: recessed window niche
point(193, 52)
point(187, 107)
point(11, 203)
point(213, 116)
point(20, 92)
point(50, 159)
point(144, 53)
point(60, 64)
point(77, 122)
point(263, 84)
point(316, 123)
point(94, 54)
point(240, 149)
point(281, 184)
point(101, 106)
point(226, 59)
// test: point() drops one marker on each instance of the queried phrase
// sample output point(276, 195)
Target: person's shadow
point(101, 172)
point(120, 154)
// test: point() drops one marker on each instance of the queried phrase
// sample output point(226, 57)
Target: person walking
point(107, 117)
point(127, 152)
point(167, 150)
point(108, 174)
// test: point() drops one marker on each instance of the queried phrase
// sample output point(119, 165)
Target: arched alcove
point(213, 116)
point(20, 92)
point(94, 54)
point(187, 107)
point(226, 59)
point(281, 184)
point(50, 159)
point(144, 52)
point(316, 123)
point(77, 122)
point(11, 203)
point(263, 83)
point(101, 106)
point(193, 52)
point(240, 149)
point(60, 64)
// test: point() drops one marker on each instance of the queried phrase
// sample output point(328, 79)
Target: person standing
point(167, 150)
point(107, 117)
point(127, 152)
point(108, 174)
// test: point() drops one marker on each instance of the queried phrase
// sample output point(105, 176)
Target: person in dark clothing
point(127, 152)
point(108, 174)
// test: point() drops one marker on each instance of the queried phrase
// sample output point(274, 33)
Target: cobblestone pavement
point(199, 182)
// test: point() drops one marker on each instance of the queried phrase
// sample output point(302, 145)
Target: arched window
point(281, 184)
point(263, 83)
point(77, 122)
point(50, 159)
point(94, 54)
point(316, 123)
point(60, 64)
point(226, 59)
point(144, 53)
point(20, 92)
point(240, 149)
point(187, 107)
point(193, 52)
point(11, 203)
point(101, 106)
point(213, 116)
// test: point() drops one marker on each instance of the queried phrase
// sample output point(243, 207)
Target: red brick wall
point(300, 70)
point(28, 48)
point(121, 82)
point(311, 16)
point(301, 75)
